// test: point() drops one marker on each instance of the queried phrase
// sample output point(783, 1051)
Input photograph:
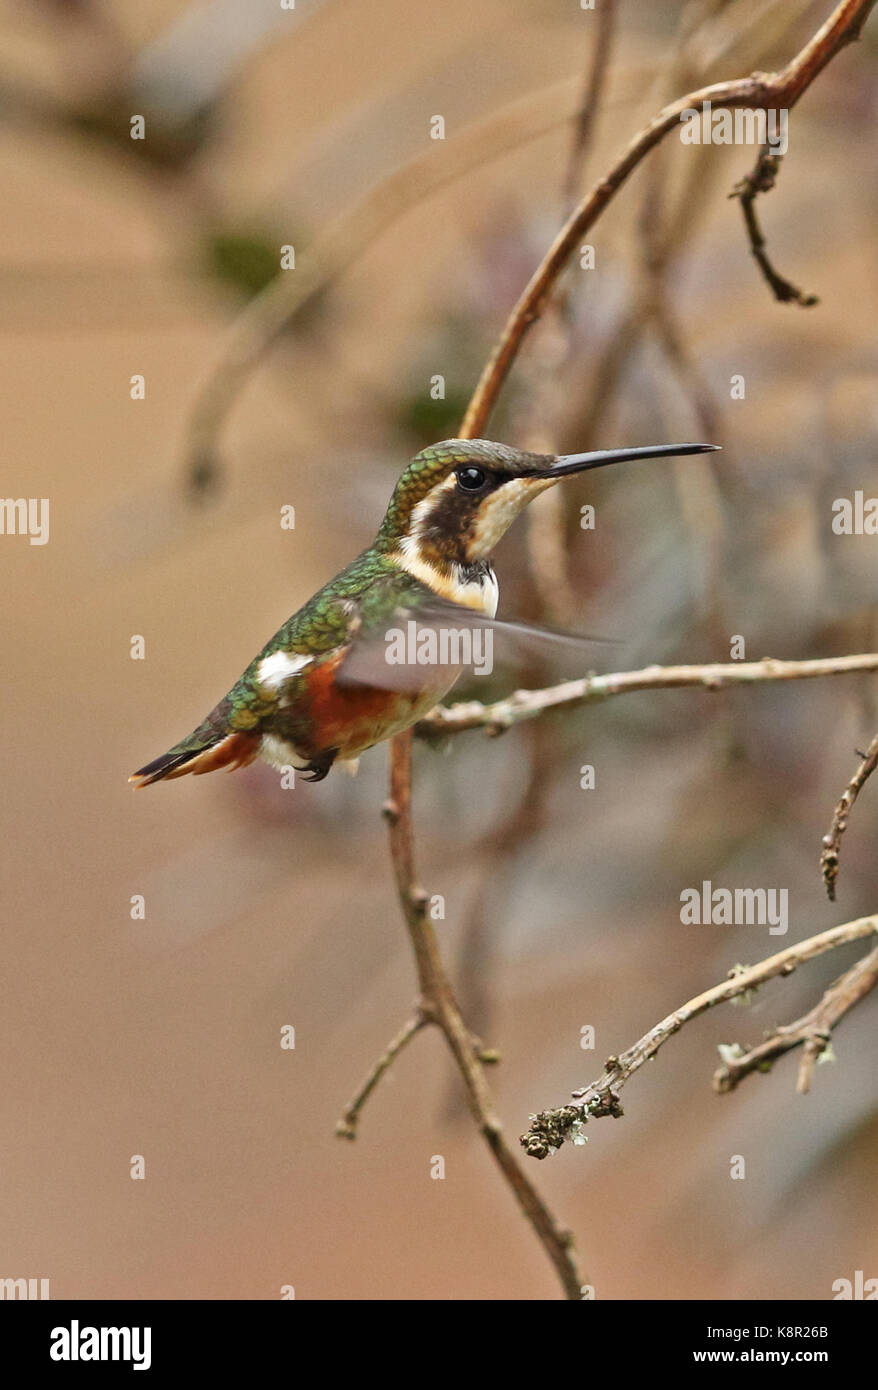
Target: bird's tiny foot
point(320, 767)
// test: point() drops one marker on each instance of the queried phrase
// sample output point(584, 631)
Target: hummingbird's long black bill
point(578, 463)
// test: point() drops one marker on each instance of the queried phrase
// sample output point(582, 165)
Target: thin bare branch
point(528, 704)
point(439, 1007)
point(591, 99)
point(829, 858)
point(347, 1125)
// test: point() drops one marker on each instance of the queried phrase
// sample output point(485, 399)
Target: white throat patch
point(482, 593)
point(496, 514)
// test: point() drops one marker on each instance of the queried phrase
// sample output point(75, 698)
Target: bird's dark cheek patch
point(449, 528)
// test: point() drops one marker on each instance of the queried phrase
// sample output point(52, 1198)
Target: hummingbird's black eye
point(471, 479)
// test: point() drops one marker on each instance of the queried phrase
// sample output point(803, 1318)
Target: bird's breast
point(351, 716)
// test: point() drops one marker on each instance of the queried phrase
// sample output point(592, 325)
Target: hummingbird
point(319, 692)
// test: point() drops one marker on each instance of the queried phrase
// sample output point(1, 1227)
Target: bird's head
point(456, 499)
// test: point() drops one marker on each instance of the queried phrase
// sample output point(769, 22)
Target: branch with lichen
point(549, 1129)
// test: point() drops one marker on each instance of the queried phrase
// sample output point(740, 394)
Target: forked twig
point(811, 1032)
point(438, 1006)
point(761, 179)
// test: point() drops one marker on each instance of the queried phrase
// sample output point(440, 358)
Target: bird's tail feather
point(228, 751)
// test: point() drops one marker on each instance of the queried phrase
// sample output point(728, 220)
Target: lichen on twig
point(549, 1129)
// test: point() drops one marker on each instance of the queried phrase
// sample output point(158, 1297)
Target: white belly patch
point(280, 754)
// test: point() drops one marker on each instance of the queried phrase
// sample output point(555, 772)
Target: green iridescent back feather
point(361, 596)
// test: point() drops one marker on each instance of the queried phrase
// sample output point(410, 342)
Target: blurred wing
point(422, 645)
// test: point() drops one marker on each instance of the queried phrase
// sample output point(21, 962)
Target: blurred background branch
point(762, 179)
point(776, 91)
point(341, 245)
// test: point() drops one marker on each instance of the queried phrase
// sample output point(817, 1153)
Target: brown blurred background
point(266, 907)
